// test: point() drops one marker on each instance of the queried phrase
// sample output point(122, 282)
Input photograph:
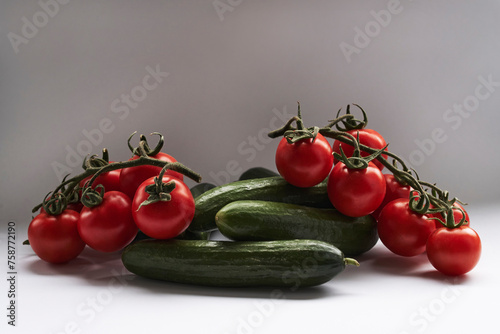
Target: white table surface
point(386, 294)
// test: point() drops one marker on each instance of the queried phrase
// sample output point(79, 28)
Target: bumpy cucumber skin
point(260, 220)
point(287, 263)
point(274, 189)
point(257, 173)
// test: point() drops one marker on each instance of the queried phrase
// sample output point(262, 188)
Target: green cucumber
point(287, 263)
point(274, 189)
point(260, 220)
point(257, 173)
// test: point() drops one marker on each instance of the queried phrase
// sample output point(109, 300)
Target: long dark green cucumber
point(257, 173)
point(287, 263)
point(259, 220)
point(274, 189)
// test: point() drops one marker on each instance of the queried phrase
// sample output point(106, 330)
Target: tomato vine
point(421, 198)
point(56, 201)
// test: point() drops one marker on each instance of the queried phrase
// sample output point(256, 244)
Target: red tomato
point(306, 162)
point(367, 137)
point(457, 216)
point(77, 206)
point(164, 219)
point(132, 177)
point(393, 190)
point(55, 239)
point(403, 231)
point(454, 251)
point(110, 180)
point(108, 227)
point(356, 192)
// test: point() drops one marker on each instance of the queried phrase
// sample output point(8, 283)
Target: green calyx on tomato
point(299, 132)
point(356, 161)
point(94, 161)
point(454, 217)
point(144, 146)
point(92, 196)
point(350, 123)
point(303, 156)
point(444, 211)
point(159, 191)
point(54, 204)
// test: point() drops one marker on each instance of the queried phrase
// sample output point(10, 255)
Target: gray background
point(230, 74)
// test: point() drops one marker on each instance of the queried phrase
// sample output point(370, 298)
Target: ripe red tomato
point(367, 137)
point(108, 227)
point(454, 251)
point(110, 180)
point(393, 190)
point(356, 192)
point(306, 162)
point(132, 177)
point(164, 219)
point(55, 239)
point(457, 216)
point(403, 231)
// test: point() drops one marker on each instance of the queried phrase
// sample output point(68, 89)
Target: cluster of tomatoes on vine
point(106, 205)
point(410, 220)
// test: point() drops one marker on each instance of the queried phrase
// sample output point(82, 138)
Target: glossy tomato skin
point(306, 162)
point(164, 220)
point(108, 227)
point(367, 137)
point(393, 190)
point(454, 252)
point(110, 180)
point(55, 239)
point(356, 192)
point(457, 216)
point(132, 177)
point(403, 231)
